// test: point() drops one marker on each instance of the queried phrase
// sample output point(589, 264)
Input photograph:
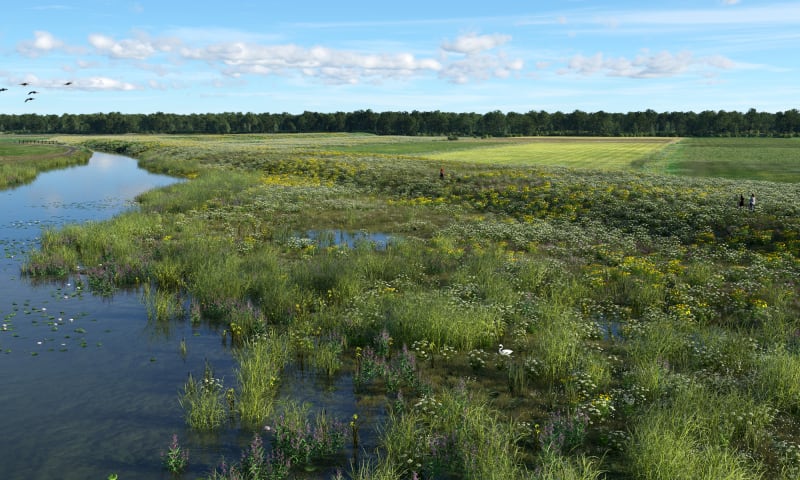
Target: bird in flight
point(68, 83)
point(24, 84)
point(32, 92)
point(3, 89)
point(29, 99)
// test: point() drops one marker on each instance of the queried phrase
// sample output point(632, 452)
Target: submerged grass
point(653, 324)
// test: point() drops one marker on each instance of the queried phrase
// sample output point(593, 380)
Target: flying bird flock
point(30, 96)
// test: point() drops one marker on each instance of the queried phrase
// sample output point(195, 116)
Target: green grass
point(203, 402)
point(572, 152)
point(770, 159)
point(19, 152)
point(644, 302)
point(21, 163)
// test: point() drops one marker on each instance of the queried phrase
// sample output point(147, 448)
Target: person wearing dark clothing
point(741, 201)
point(441, 173)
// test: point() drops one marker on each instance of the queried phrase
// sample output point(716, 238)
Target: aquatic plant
point(203, 402)
point(302, 441)
point(175, 459)
point(255, 464)
point(260, 367)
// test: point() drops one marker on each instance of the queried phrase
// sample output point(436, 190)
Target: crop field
point(653, 325)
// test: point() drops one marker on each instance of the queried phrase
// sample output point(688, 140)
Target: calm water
point(87, 386)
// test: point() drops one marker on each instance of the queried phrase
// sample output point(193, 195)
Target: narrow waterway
point(87, 389)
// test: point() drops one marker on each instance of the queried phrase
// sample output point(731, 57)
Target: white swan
point(504, 351)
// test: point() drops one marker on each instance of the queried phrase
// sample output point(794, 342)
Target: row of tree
point(496, 123)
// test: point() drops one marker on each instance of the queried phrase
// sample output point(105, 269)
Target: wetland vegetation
point(653, 323)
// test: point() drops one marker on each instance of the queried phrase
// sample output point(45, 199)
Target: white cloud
point(43, 42)
point(90, 83)
point(103, 83)
point(477, 63)
point(479, 67)
point(644, 65)
point(337, 66)
point(472, 43)
point(139, 48)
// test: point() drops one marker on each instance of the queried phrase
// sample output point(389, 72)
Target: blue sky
point(290, 56)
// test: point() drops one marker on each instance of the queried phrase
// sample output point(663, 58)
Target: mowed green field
point(11, 150)
point(772, 159)
point(599, 153)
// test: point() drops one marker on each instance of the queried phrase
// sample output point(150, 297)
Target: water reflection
point(330, 238)
point(87, 390)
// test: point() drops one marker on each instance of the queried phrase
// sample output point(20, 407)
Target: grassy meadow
point(654, 324)
point(20, 163)
point(772, 159)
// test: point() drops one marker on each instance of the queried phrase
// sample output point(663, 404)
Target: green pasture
point(572, 152)
point(772, 159)
point(21, 162)
point(11, 150)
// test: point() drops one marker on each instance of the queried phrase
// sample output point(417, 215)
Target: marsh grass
point(436, 318)
point(202, 401)
point(648, 303)
point(20, 164)
point(303, 439)
point(450, 435)
point(259, 372)
point(692, 438)
point(777, 378)
point(558, 467)
point(326, 356)
point(162, 306)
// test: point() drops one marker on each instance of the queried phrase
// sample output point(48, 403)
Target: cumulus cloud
point(103, 83)
point(465, 58)
point(644, 65)
point(479, 67)
point(336, 66)
point(139, 48)
point(472, 43)
point(478, 62)
point(43, 42)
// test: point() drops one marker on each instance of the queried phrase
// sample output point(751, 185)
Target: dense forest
point(496, 123)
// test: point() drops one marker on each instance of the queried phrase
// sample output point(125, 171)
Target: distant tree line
point(495, 124)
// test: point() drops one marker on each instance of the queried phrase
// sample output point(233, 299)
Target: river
point(87, 389)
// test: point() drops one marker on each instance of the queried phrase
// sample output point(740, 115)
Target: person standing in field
point(441, 173)
point(752, 201)
point(741, 201)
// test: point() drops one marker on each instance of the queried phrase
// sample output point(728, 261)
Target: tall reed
point(261, 363)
